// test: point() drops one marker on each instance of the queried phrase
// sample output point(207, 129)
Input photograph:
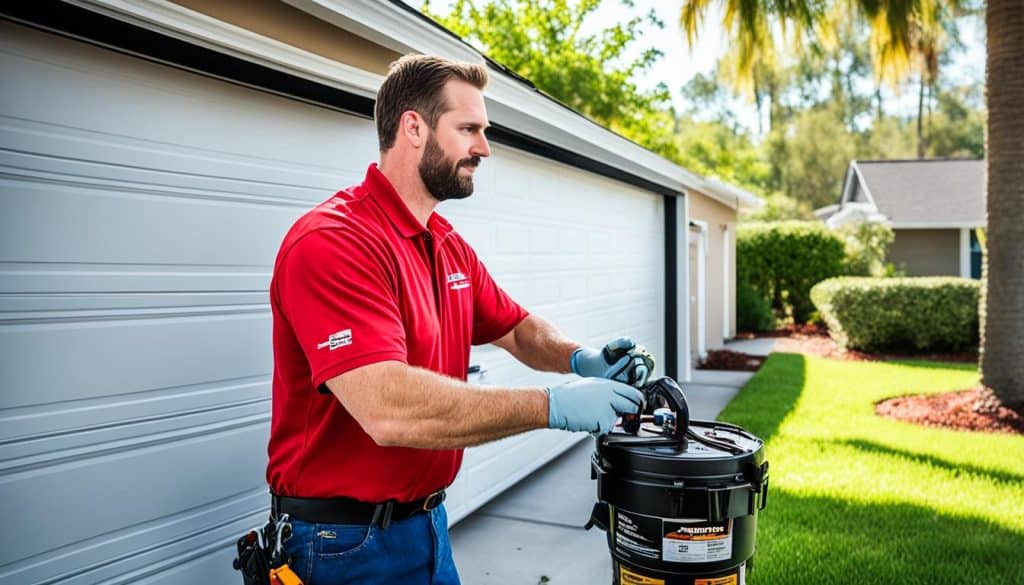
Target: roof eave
point(939, 225)
point(731, 195)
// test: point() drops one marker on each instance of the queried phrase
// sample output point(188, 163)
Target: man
point(376, 302)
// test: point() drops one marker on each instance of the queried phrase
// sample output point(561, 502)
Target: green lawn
point(855, 498)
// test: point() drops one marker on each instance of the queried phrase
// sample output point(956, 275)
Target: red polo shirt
point(359, 280)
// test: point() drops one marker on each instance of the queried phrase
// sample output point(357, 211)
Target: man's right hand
point(591, 404)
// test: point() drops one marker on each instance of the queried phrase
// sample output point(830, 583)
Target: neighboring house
point(155, 153)
point(935, 208)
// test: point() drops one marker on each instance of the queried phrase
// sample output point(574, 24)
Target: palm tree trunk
point(1002, 329)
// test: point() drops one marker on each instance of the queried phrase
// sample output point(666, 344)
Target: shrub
point(753, 312)
point(926, 313)
point(783, 260)
point(865, 243)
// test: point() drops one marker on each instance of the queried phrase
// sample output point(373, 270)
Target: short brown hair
point(416, 82)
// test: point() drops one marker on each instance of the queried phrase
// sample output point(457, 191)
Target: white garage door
point(142, 208)
point(585, 252)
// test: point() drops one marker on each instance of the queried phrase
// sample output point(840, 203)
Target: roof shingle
point(934, 192)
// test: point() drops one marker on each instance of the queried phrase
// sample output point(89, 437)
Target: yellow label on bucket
point(627, 577)
point(727, 580)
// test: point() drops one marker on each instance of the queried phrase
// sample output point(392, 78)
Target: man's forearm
point(400, 405)
point(540, 345)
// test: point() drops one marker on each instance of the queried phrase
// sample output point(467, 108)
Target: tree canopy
point(821, 106)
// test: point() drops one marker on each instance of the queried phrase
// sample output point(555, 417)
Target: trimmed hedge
point(925, 313)
point(783, 260)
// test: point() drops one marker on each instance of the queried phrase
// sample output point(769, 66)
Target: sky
point(680, 64)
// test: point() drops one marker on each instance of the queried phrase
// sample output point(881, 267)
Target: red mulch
point(724, 359)
point(788, 330)
point(814, 340)
point(971, 410)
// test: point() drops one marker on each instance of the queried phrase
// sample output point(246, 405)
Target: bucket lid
point(718, 449)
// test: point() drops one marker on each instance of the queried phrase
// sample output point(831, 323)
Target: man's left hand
point(621, 359)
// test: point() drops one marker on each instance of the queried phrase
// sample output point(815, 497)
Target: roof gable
point(921, 193)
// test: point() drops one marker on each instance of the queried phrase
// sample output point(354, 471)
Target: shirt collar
point(384, 193)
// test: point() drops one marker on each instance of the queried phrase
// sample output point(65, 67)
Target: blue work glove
point(591, 404)
point(621, 360)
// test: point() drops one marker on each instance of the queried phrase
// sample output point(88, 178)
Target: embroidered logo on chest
point(336, 340)
point(457, 281)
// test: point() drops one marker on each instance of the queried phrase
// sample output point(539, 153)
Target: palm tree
point(1002, 332)
point(893, 25)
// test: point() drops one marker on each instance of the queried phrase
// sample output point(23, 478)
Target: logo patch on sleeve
point(336, 340)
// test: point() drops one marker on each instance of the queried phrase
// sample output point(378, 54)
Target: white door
point(142, 207)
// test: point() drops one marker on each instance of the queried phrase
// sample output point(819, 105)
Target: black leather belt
point(349, 511)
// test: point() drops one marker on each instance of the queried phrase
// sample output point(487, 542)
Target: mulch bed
point(724, 359)
point(971, 410)
point(814, 340)
point(788, 330)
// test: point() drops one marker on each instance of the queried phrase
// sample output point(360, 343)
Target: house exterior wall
point(926, 252)
point(720, 218)
point(281, 22)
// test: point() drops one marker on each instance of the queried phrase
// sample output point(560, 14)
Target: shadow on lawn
point(768, 398)
point(938, 462)
point(820, 540)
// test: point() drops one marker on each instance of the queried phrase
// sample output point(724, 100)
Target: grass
point(855, 498)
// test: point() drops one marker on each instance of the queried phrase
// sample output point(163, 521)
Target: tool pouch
point(252, 560)
point(262, 558)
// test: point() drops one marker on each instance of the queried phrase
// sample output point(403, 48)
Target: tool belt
point(349, 511)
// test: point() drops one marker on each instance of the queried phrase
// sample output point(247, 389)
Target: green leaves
point(543, 40)
point(922, 313)
point(783, 260)
point(866, 243)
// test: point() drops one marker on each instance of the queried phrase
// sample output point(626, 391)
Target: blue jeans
point(413, 551)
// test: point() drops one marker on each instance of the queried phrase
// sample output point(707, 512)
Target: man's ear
point(413, 127)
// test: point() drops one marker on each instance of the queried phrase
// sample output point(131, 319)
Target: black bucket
point(678, 499)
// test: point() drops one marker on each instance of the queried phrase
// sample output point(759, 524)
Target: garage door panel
point(53, 362)
point(60, 153)
point(151, 482)
point(223, 118)
point(88, 305)
point(159, 551)
point(37, 435)
point(45, 222)
point(18, 279)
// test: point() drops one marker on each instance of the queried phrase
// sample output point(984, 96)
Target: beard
point(441, 175)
